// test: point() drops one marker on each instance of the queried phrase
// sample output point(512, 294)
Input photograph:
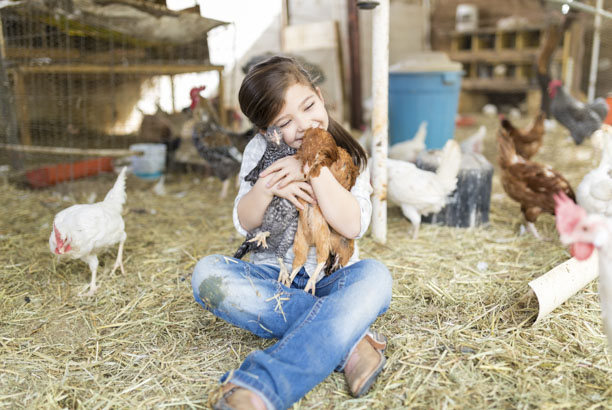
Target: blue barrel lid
point(429, 61)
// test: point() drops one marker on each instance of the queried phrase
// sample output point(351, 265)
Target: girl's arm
point(339, 207)
point(252, 206)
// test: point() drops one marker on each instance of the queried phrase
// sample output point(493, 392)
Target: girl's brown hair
point(262, 94)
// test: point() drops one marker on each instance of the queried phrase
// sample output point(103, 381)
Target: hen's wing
point(418, 188)
point(533, 184)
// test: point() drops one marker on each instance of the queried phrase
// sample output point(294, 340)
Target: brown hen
point(319, 150)
point(527, 141)
point(529, 183)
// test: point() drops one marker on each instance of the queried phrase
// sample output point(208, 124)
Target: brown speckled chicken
point(529, 183)
point(319, 150)
point(527, 141)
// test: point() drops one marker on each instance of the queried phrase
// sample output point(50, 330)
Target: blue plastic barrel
point(424, 88)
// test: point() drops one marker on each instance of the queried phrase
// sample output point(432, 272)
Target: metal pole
point(584, 7)
point(595, 52)
point(380, 119)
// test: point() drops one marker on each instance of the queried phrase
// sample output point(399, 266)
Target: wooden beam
point(7, 103)
point(70, 151)
point(21, 101)
point(144, 69)
point(354, 66)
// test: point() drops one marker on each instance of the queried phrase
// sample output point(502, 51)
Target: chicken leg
point(311, 285)
point(414, 217)
point(119, 260)
point(224, 188)
point(92, 262)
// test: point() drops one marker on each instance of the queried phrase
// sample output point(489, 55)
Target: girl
point(316, 334)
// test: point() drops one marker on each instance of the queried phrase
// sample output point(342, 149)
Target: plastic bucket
point(425, 88)
point(151, 164)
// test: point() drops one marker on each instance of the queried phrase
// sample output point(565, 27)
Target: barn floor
point(458, 336)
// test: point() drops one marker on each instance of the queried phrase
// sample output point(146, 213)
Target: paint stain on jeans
point(211, 291)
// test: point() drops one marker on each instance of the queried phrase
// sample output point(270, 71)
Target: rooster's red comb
point(567, 213)
point(195, 95)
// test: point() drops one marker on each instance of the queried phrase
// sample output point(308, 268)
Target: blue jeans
point(316, 333)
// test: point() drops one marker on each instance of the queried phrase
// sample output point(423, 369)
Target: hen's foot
point(92, 290)
point(283, 275)
point(311, 285)
point(260, 238)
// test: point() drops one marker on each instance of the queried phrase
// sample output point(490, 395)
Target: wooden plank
point(145, 69)
point(41, 52)
point(21, 101)
point(7, 109)
point(70, 151)
point(490, 84)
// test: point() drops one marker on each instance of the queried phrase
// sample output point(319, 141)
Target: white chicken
point(409, 150)
point(585, 233)
point(594, 193)
point(419, 192)
point(84, 230)
point(475, 142)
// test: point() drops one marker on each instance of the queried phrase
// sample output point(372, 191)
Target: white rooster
point(419, 192)
point(409, 150)
point(84, 230)
point(585, 233)
point(594, 193)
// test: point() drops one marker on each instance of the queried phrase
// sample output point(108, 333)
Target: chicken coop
point(501, 53)
point(74, 71)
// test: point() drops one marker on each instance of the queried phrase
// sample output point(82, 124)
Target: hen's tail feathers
point(117, 193)
point(421, 133)
point(244, 248)
point(450, 163)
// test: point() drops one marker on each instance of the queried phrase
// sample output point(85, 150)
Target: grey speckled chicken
point(280, 220)
point(579, 118)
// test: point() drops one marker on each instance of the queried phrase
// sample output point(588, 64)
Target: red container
point(608, 119)
point(53, 174)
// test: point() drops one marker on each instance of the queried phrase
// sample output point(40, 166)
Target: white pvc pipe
point(595, 52)
point(380, 119)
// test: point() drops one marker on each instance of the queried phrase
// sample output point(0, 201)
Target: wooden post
point(380, 119)
point(7, 105)
point(595, 52)
point(21, 101)
point(354, 65)
point(221, 98)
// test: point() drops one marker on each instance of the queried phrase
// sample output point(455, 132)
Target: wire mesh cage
point(74, 71)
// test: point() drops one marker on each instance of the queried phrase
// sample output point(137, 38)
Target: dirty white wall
point(255, 29)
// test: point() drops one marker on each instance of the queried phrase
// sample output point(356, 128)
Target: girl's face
point(304, 108)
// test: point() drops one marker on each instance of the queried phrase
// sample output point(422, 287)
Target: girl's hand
point(283, 172)
point(293, 192)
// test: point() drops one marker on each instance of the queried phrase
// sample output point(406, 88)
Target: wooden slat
point(70, 151)
point(148, 69)
point(490, 84)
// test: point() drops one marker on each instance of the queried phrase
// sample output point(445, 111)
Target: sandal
point(358, 382)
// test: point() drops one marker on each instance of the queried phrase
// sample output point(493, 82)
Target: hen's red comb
point(567, 213)
point(195, 95)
